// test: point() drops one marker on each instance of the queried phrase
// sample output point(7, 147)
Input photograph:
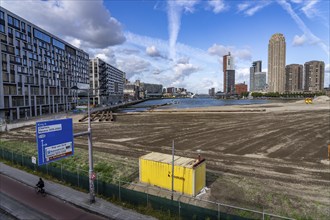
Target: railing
point(185, 207)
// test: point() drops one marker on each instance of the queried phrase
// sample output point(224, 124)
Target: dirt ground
point(275, 160)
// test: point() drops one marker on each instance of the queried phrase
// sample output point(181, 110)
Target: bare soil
point(275, 161)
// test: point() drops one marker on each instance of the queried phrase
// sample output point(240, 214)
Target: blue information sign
point(54, 140)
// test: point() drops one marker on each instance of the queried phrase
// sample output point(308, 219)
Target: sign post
point(54, 140)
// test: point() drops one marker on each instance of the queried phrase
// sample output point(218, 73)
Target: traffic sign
point(54, 140)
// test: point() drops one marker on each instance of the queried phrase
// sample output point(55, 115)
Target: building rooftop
point(167, 158)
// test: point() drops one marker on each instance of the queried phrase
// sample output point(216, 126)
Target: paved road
point(22, 198)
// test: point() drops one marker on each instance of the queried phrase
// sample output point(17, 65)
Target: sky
point(181, 43)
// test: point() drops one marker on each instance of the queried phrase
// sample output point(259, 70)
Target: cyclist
point(41, 185)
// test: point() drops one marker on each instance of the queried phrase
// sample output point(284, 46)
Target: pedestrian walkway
point(77, 198)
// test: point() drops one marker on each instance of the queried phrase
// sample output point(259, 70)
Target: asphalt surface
point(23, 198)
point(66, 197)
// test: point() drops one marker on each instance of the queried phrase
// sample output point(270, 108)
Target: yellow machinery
point(189, 174)
point(308, 100)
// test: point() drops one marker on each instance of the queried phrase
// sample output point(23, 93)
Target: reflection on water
point(182, 103)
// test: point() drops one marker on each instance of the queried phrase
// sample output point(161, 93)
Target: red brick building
point(240, 88)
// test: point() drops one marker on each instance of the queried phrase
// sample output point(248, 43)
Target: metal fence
point(141, 195)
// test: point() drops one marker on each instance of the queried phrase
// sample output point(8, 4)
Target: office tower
point(314, 76)
point(228, 74)
point(37, 70)
point(107, 83)
point(260, 81)
point(256, 67)
point(294, 78)
point(276, 63)
point(212, 92)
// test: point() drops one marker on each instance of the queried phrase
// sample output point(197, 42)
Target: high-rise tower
point(314, 76)
point(294, 78)
point(255, 68)
point(228, 74)
point(276, 63)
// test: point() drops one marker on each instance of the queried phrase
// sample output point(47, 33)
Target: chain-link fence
point(140, 195)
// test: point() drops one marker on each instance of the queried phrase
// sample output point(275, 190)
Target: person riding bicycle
point(41, 185)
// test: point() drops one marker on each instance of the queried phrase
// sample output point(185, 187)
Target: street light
point(90, 148)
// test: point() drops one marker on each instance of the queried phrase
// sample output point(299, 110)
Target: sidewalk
point(74, 197)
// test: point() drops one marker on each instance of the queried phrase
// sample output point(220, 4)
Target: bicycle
point(40, 191)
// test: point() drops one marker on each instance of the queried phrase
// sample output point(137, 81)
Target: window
point(23, 26)
point(2, 15)
point(10, 20)
point(2, 28)
point(29, 28)
point(42, 36)
point(58, 44)
point(10, 31)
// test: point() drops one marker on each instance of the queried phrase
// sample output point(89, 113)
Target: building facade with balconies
point(37, 70)
point(106, 83)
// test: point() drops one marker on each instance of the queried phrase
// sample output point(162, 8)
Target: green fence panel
point(186, 211)
point(159, 203)
point(133, 197)
point(70, 177)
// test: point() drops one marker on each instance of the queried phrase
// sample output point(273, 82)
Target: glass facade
point(37, 69)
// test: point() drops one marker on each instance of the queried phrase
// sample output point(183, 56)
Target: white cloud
point(327, 68)
point(299, 40)
point(174, 11)
point(133, 65)
point(220, 50)
point(308, 34)
point(243, 6)
point(250, 8)
point(217, 5)
point(86, 21)
point(153, 52)
point(309, 8)
point(297, 1)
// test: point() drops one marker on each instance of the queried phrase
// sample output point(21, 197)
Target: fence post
point(78, 175)
point(179, 210)
point(119, 188)
point(219, 214)
point(12, 156)
point(263, 214)
point(47, 168)
point(61, 172)
point(147, 197)
point(97, 183)
point(22, 158)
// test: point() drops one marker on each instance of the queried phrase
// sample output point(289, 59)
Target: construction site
point(272, 157)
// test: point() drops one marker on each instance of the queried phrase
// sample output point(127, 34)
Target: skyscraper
point(314, 76)
point(276, 63)
point(255, 68)
point(228, 74)
point(294, 78)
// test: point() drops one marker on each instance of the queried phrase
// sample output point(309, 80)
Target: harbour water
point(185, 103)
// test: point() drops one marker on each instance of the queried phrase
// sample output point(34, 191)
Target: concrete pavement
point(77, 198)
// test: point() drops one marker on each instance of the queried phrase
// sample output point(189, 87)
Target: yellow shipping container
point(189, 174)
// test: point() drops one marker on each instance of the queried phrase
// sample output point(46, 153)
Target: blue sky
point(181, 43)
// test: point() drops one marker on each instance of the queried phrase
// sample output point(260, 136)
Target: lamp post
point(90, 148)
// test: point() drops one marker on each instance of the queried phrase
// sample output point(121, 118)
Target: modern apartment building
point(152, 90)
point(260, 82)
point(294, 78)
point(106, 83)
point(228, 74)
point(255, 68)
point(314, 76)
point(276, 63)
point(37, 69)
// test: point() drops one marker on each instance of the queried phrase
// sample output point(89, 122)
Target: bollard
point(328, 151)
